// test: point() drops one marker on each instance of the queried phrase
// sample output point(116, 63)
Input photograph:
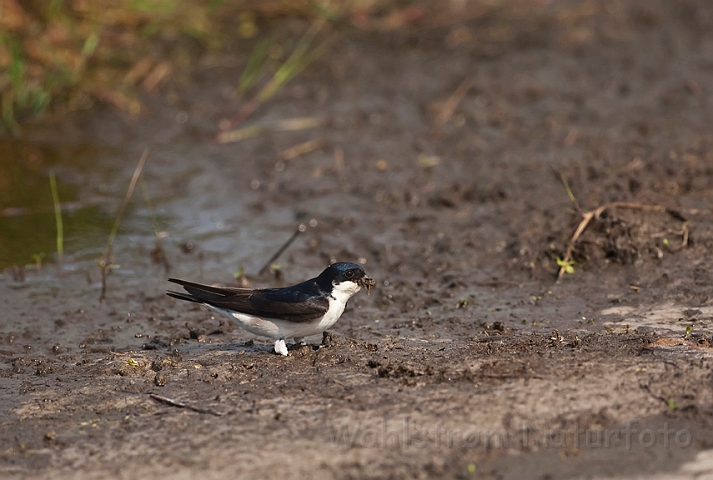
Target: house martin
point(305, 309)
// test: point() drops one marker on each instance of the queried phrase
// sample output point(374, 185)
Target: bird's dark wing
point(300, 303)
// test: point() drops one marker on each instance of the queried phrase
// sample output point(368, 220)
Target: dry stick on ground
point(57, 217)
point(588, 216)
point(596, 213)
point(284, 125)
point(571, 196)
point(174, 403)
point(450, 107)
point(107, 260)
point(683, 233)
point(301, 149)
point(301, 228)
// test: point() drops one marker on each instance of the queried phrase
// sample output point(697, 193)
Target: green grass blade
point(255, 67)
point(297, 61)
point(57, 217)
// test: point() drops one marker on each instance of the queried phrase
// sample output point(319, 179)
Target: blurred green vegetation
point(69, 53)
point(30, 197)
point(60, 55)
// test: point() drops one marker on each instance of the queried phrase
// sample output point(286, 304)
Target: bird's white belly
point(275, 328)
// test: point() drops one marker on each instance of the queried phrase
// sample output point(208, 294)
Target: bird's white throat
point(343, 291)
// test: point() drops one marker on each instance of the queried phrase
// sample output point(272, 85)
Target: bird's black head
point(342, 272)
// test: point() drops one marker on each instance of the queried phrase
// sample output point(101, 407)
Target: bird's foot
point(300, 341)
point(281, 347)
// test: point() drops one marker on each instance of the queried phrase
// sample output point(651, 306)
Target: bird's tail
point(183, 296)
point(200, 293)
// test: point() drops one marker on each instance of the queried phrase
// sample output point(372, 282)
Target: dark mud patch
point(411, 408)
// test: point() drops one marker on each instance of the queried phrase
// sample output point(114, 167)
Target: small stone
point(161, 379)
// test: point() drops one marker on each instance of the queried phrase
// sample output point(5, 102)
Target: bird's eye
point(349, 273)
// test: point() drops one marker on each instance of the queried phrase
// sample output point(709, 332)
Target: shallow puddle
point(177, 197)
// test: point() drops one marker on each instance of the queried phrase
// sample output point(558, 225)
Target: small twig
point(570, 247)
point(684, 242)
point(450, 107)
point(291, 124)
point(630, 206)
point(107, 260)
point(596, 213)
point(569, 191)
point(301, 228)
point(301, 149)
point(669, 231)
point(683, 233)
point(174, 403)
point(57, 217)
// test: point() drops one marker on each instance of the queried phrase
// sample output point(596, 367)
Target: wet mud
point(470, 358)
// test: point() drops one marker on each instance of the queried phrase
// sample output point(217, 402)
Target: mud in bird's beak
point(366, 282)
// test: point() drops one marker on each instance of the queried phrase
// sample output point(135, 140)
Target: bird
point(305, 309)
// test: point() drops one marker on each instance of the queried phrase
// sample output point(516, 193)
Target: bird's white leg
point(300, 341)
point(281, 347)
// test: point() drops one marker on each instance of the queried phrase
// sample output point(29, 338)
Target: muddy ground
point(469, 359)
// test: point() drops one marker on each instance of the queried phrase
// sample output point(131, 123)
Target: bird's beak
point(366, 282)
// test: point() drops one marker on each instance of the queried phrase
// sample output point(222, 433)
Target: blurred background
point(70, 68)
point(429, 96)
